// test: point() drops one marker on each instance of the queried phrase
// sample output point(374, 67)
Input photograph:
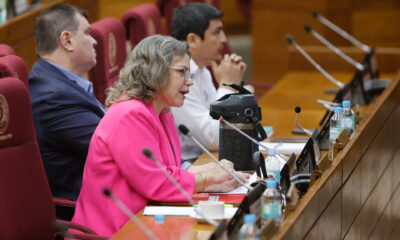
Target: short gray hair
point(146, 69)
point(50, 23)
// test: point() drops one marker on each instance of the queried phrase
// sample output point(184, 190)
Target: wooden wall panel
point(373, 4)
point(378, 27)
point(388, 59)
point(272, 20)
point(19, 31)
point(234, 21)
point(375, 24)
point(112, 8)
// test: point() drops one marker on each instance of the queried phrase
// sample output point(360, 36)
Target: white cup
point(212, 209)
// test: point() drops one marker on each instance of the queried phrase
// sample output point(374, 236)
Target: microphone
point(217, 116)
point(313, 134)
point(185, 131)
point(341, 32)
point(290, 39)
point(129, 213)
point(328, 105)
point(336, 50)
point(149, 155)
point(297, 109)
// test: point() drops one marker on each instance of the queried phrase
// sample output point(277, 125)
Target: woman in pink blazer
point(154, 78)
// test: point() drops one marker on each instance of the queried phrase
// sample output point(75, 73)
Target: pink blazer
point(115, 160)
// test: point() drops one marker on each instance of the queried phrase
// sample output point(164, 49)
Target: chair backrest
point(111, 54)
point(167, 8)
point(141, 22)
point(13, 66)
point(6, 50)
point(26, 206)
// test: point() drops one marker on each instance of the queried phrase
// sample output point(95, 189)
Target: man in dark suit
point(65, 111)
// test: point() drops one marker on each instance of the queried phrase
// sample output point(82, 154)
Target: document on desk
point(168, 211)
point(284, 148)
point(180, 211)
point(242, 189)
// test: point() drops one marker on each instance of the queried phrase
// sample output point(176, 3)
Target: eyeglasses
point(186, 74)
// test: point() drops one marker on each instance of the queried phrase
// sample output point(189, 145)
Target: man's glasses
point(186, 74)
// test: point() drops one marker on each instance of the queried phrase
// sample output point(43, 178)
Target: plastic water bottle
point(273, 165)
point(249, 230)
point(271, 203)
point(348, 118)
point(335, 129)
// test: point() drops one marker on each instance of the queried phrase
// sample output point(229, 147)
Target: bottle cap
point(271, 152)
point(250, 218)
point(159, 219)
point(337, 110)
point(346, 104)
point(271, 183)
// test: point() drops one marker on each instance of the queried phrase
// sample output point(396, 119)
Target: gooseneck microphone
point(218, 117)
point(341, 32)
point(336, 50)
point(149, 155)
point(328, 105)
point(185, 131)
point(129, 213)
point(297, 109)
point(290, 39)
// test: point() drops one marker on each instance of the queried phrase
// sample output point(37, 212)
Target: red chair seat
point(111, 54)
point(141, 22)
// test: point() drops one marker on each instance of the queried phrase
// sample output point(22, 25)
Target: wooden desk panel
point(328, 227)
point(173, 228)
point(366, 194)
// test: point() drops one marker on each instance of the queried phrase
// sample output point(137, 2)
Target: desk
point(357, 197)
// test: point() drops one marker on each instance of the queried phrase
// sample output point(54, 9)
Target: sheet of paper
point(168, 211)
point(242, 189)
point(285, 148)
point(180, 211)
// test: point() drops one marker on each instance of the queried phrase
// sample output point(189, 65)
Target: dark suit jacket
point(65, 118)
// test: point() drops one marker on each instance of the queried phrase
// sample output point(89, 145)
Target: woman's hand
point(215, 175)
point(228, 185)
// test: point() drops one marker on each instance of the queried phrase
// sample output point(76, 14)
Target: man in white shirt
point(200, 25)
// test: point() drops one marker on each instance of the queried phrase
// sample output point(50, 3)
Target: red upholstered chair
point(111, 54)
point(167, 8)
point(26, 205)
point(141, 22)
point(13, 66)
point(6, 50)
point(245, 7)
